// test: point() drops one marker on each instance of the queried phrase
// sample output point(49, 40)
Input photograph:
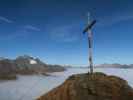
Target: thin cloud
point(4, 19)
point(111, 20)
point(30, 27)
point(63, 34)
point(19, 34)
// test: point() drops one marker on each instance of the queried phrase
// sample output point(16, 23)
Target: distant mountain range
point(115, 65)
point(25, 65)
point(105, 65)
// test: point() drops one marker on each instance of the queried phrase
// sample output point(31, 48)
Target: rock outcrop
point(97, 86)
point(7, 70)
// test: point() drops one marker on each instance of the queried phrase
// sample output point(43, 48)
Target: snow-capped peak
point(33, 61)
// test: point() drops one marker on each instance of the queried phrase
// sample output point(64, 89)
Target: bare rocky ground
point(96, 86)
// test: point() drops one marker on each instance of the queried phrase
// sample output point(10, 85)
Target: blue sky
point(52, 30)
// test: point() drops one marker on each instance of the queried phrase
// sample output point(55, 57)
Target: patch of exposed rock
point(7, 70)
point(97, 86)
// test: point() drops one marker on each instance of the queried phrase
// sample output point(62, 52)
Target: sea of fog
point(30, 87)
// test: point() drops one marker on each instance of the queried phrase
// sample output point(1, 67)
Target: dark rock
point(97, 86)
point(7, 70)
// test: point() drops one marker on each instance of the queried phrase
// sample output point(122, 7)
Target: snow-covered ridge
point(31, 61)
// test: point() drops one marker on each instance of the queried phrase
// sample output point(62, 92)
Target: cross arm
point(89, 26)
